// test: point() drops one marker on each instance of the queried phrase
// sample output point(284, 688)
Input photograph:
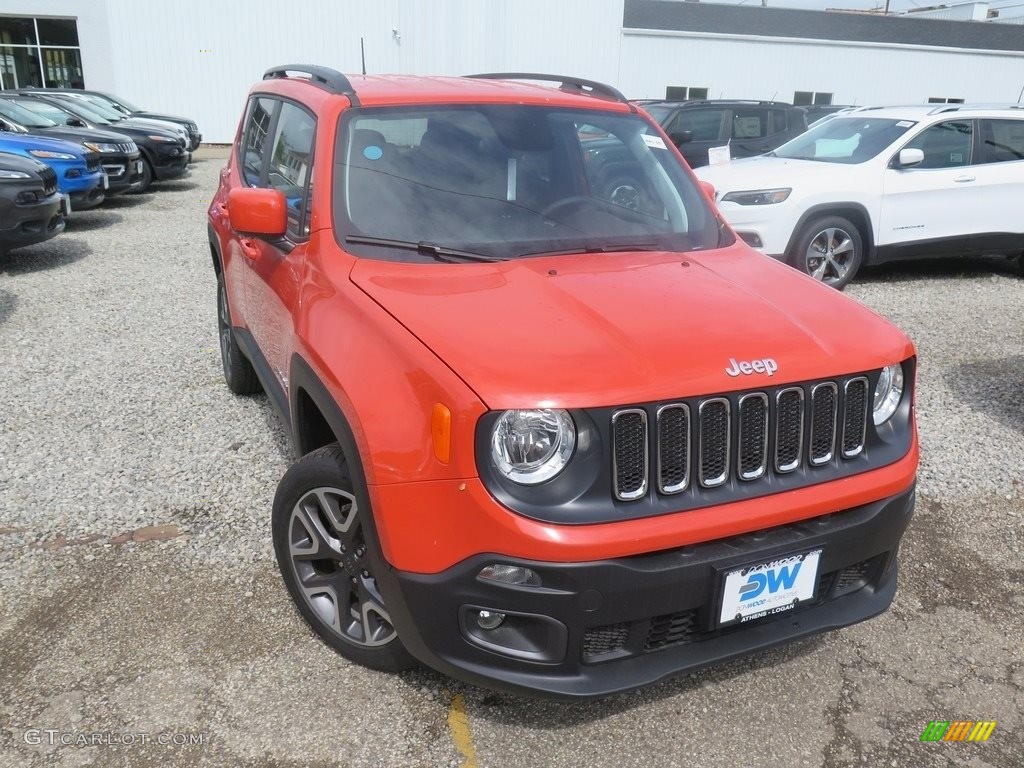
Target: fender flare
point(837, 209)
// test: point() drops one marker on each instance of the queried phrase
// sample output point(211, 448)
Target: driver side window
point(945, 145)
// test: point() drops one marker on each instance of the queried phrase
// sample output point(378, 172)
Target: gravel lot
point(138, 591)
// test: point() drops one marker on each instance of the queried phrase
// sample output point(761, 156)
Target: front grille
point(672, 629)
point(49, 177)
point(744, 438)
point(597, 641)
point(629, 430)
point(855, 417)
point(128, 147)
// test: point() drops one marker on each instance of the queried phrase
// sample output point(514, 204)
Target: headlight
point(888, 393)
point(529, 447)
point(758, 196)
point(163, 139)
point(4, 174)
point(50, 155)
point(100, 147)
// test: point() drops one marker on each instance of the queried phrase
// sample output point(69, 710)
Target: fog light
point(751, 239)
point(25, 198)
point(489, 619)
point(510, 574)
point(72, 173)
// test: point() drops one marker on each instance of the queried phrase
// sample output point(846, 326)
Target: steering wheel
point(566, 202)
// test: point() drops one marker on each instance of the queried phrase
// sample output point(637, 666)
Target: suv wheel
point(238, 371)
point(329, 563)
point(829, 249)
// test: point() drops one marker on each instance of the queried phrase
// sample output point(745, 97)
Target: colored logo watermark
point(958, 730)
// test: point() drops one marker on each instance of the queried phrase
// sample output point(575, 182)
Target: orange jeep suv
point(558, 429)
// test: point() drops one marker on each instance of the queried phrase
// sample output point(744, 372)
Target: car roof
point(919, 112)
point(390, 90)
point(715, 102)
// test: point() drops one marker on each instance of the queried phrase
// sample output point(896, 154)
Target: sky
point(894, 5)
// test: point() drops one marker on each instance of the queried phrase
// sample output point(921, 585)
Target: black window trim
point(291, 238)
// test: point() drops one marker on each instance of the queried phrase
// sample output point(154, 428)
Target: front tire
point(829, 249)
point(329, 559)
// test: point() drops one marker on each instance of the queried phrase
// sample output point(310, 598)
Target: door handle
point(963, 179)
point(250, 248)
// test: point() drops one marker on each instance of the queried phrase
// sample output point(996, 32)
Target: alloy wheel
point(830, 255)
point(329, 557)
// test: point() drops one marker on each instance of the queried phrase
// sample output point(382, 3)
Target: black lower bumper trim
point(632, 621)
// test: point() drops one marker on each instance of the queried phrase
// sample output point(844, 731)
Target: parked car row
point(861, 185)
point(63, 151)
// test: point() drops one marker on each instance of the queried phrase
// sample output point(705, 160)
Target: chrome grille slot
point(789, 429)
point(673, 448)
point(823, 423)
point(714, 442)
point(752, 454)
point(855, 416)
point(629, 453)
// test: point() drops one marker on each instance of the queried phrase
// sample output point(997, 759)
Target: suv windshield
point(501, 181)
point(102, 110)
point(844, 139)
point(81, 110)
point(21, 116)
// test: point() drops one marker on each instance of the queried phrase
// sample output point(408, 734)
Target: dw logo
point(773, 579)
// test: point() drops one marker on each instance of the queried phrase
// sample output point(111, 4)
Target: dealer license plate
point(106, 180)
point(65, 204)
point(138, 166)
point(768, 588)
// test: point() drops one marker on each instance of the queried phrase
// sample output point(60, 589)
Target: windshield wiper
point(597, 248)
point(438, 252)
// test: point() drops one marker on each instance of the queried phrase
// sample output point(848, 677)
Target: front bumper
point(30, 224)
point(602, 627)
point(124, 173)
point(767, 228)
point(169, 161)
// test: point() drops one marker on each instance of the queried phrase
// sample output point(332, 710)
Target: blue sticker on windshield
point(373, 153)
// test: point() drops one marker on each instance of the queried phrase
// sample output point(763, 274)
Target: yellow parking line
point(458, 724)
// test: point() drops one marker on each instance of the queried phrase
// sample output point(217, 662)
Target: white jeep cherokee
point(882, 183)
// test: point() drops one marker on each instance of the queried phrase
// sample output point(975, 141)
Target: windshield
point(104, 111)
point(119, 104)
point(21, 116)
point(844, 139)
point(48, 111)
point(77, 107)
point(503, 181)
point(660, 114)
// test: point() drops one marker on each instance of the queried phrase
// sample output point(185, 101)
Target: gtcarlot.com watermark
point(56, 738)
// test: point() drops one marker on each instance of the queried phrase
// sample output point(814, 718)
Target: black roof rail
point(330, 79)
point(575, 83)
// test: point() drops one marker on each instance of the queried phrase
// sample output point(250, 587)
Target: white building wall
point(198, 58)
point(856, 73)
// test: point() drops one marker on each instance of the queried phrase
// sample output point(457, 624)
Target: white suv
point(881, 183)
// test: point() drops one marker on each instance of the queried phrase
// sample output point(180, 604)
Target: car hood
point(152, 126)
point(167, 118)
point(10, 162)
point(78, 135)
point(23, 143)
point(605, 329)
point(764, 172)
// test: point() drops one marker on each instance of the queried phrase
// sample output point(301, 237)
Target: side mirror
point(258, 211)
point(681, 137)
point(908, 158)
point(76, 122)
point(708, 189)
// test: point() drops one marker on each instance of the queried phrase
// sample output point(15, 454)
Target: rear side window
point(254, 140)
point(704, 124)
point(945, 145)
point(748, 123)
point(1002, 140)
point(290, 166)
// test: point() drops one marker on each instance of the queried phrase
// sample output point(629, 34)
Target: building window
point(807, 98)
point(39, 52)
point(683, 93)
point(943, 100)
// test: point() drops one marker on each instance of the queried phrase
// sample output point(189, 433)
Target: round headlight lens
point(529, 447)
point(888, 393)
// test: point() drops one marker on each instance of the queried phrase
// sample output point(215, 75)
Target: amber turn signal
point(441, 432)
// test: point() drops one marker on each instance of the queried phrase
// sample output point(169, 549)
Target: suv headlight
point(100, 147)
point(6, 174)
point(888, 393)
point(163, 139)
point(758, 196)
point(45, 153)
point(531, 446)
